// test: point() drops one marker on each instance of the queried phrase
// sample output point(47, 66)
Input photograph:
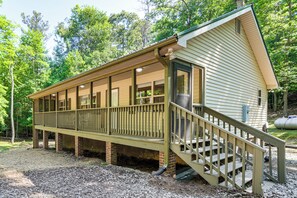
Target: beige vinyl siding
point(72, 96)
point(101, 86)
point(233, 77)
point(123, 82)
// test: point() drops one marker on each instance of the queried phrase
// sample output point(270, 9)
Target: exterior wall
point(233, 77)
point(122, 82)
point(101, 86)
point(71, 94)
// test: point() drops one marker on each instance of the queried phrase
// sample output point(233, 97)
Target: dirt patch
point(26, 172)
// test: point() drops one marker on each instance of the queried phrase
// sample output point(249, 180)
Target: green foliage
point(87, 30)
point(171, 16)
point(3, 104)
point(7, 57)
point(126, 34)
point(35, 22)
point(278, 20)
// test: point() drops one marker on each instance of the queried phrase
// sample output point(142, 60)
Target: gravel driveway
point(26, 172)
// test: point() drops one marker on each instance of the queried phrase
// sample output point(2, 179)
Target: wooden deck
point(140, 126)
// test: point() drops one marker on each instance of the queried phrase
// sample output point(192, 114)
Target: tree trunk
point(274, 101)
point(11, 104)
point(285, 99)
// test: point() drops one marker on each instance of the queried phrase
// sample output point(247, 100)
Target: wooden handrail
point(188, 126)
point(253, 131)
point(257, 134)
point(214, 125)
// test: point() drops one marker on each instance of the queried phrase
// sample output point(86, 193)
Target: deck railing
point(253, 135)
point(136, 120)
point(38, 118)
point(50, 119)
point(195, 132)
point(66, 119)
point(94, 120)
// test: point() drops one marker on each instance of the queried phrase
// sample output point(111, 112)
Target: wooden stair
point(219, 156)
point(202, 168)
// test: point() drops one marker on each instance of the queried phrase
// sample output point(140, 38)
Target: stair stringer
point(199, 168)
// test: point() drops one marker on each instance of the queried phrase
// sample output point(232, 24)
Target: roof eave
point(160, 44)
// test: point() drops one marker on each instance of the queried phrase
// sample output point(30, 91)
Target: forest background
point(89, 38)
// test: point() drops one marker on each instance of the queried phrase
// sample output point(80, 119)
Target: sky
point(55, 11)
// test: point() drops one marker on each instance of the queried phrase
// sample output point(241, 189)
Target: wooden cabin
point(198, 97)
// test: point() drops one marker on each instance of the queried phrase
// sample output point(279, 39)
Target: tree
point(171, 16)
point(86, 31)
point(31, 74)
point(127, 32)
point(278, 20)
point(7, 57)
point(3, 104)
point(35, 22)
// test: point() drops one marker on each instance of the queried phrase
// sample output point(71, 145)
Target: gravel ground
point(290, 188)
point(26, 172)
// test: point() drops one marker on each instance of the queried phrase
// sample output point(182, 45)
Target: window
point(40, 105)
point(62, 105)
point(159, 91)
point(115, 97)
point(53, 103)
point(259, 98)
point(237, 26)
point(144, 93)
point(96, 100)
point(182, 82)
point(84, 102)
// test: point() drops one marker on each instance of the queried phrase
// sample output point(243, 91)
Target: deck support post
point(258, 165)
point(76, 107)
point(78, 146)
point(108, 104)
point(111, 153)
point(171, 166)
point(59, 142)
point(281, 165)
point(57, 108)
point(133, 91)
point(167, 100)
point(35, 138)
point(45, 139)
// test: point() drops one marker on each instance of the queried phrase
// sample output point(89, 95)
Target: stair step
point(208, 148)
point(194, 141)
point(200, 150)
point(215, 157)
point(238, 179)
point(229, 169)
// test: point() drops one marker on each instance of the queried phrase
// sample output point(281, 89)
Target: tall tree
point(126, 34)
point(35, 22)
point(7, 57)
point(31, 74)
point(172, 16)
point(87, 31)
point(278, 19)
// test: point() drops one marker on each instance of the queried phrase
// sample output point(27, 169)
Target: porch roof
point(249, 21)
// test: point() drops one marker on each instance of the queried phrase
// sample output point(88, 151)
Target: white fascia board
point(275, 85)
point(182, 41)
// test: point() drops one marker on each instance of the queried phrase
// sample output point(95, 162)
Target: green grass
point(290, 136)
point(6, 144)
